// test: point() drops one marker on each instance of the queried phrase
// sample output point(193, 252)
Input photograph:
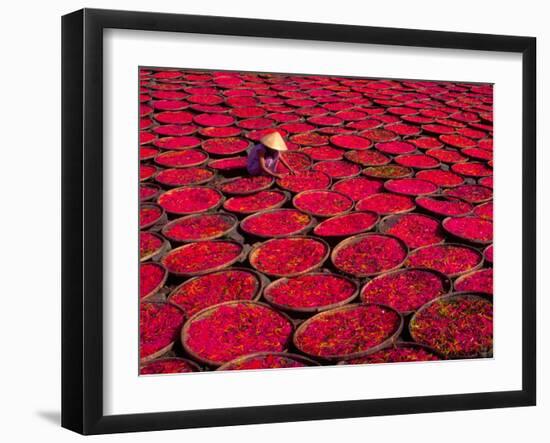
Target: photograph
point(291, 220)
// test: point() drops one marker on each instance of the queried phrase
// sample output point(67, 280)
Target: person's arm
point(282, 158)
point(264, 167)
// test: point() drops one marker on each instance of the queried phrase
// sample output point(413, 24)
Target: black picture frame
point(82, 218)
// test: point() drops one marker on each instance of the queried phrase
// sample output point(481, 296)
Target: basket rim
point(290, 355)
point(391, 339)
point(185, 329)
point(485, 254)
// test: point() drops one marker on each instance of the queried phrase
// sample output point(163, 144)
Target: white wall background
point(30, 222)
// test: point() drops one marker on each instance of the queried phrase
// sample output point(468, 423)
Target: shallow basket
point(310, 310)
point(333, 358)
point(476, 295)
point(228, 231)
point(165, 246)
point(261, 279)
point(157, 288)
point(446, 283)
point(162, 351)
point(276, 206)
point(314, 214)
point(159, 220)
point(464, 238)
point(239, 257)
point(336, 237)
point(390, 220)
point(254, 252)
point(185, 330)
point(302, 230)
point(358, 237)
point(246, 192)
point(462, 245)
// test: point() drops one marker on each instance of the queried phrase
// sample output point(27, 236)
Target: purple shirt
point(271, 159)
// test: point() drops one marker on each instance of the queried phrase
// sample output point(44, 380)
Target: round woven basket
point(151, 293)
point(205, 312)
point(310, 310)
point(461, 245)
point(262, 282)
point(299, 231)
point(231, 218)
point(356, 238)
point(239, 257)
point(474, 295)
point(332, 358)
point(254, 252)
point(462, 237)
point(162, 351)
point(314, 214)
point(164, 247)
point(445, 281)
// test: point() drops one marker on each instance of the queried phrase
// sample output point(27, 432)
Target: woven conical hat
point(274, 141)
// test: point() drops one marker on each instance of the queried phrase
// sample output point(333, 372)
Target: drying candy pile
point(375, 248)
